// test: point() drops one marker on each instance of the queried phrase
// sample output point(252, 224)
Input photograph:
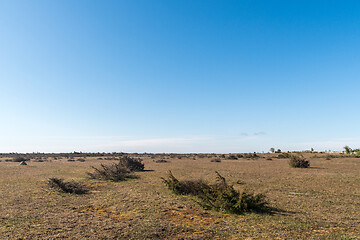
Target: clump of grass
point(298, 161)
point(60, 185)
point(114, 172)
point(219, 196)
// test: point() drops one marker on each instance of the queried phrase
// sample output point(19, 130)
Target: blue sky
point(179, 76)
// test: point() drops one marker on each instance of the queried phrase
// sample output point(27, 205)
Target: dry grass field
point(320, 202)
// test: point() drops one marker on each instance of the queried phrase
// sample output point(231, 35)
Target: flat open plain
point(320, 202)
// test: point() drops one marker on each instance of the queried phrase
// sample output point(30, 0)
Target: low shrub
point(60, 185)
point(185, 187)
point(298, 161)
point(232, 157)
point(80, 160)
point(133, 164)
point(215, 160)
point(250, 155)
point(114, 172)
point(219, 196)
point(39, 160)
point(284, 155)
point(19, 159)
point(161, 161)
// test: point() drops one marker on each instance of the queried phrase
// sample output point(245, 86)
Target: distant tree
point(278, 151)
point(312, 149)
point(272, 150)
point(347, 149)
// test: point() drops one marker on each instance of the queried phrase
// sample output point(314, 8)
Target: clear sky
point(179, 76)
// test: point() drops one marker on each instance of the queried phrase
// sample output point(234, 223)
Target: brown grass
point(321, 202)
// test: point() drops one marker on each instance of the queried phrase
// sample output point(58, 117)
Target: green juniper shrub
point(114, 172)
point(185, 187)
point(60, 185)
point(215, 160)
point(298, 161)
point(219, 196)
point(133, 164)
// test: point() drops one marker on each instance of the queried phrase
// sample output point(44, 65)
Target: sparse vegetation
point(220, 196)
point(114, 172)
point(311, 203)
point(298, 161)
point(20, 159)
point(186, 187)
point(161, 161)
point(60, 185)
point(284, 155)
point(348, 150)
point(215, 160)
point(133, 164)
